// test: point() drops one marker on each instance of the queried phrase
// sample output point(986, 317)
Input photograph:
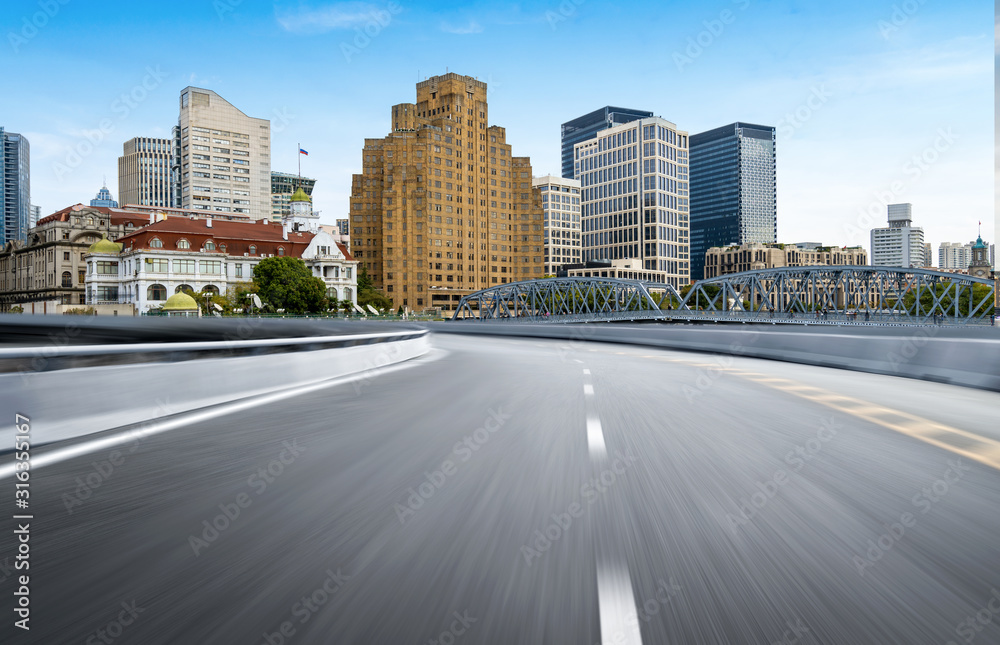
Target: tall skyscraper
point(442, 208)
point(15, 186)
point(36, 214)
point(144, 172)
point(634, 184)
point(104, 198)
point(586, 127)
point(223, 157)
point(561, 208)
point(733, 191)
point(900, 244)
point(283, 186)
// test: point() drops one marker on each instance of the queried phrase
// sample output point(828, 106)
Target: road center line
point(588, 389)
point(595, 437)
point(616, 605)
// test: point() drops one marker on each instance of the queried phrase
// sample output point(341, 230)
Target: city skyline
point(913, 87)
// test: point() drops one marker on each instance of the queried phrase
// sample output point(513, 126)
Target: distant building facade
point(625, 269)
point(754, 257)
point(442, 207)
point(733, 189)
point(49, 269)
point(900, 244)
point(104, 198)
point(283, 186)
point(15, 186)
point(144, 172)
point(224, 156)
point(206, 255)
point(634, 184)
point(561, 209)
point(586, 127)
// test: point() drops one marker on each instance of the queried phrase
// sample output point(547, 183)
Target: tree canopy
point(286, 283)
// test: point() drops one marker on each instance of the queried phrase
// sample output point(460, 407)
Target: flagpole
point(298, 153)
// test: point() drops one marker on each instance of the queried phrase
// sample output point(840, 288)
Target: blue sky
point(874, 101)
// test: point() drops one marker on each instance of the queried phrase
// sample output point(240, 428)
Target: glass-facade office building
point(586, 127)
point(15, 187)
point(733, 192)
point(634, 193)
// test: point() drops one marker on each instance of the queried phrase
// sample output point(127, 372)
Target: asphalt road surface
point(523, 491)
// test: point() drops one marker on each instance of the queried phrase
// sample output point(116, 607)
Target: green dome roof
point(980, 244)
point(300, 196)
point(180, 302)
point(104, 245)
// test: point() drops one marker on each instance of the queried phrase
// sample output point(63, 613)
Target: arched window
point(183, 287)
point(222, 247)
point(281, 250)
point(156, 243)
point(129, 225)
point(347, 293)
point(331, 293)
point(210, 289)
point(156, 292)
point(90, 221)
point(210, 245)
point(67, 279)
point(253, 250)
point(183, 244)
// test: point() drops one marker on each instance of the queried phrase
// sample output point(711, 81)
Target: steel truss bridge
point(816, 294)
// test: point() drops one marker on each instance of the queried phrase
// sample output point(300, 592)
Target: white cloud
point(342, 15)
point(472, 27)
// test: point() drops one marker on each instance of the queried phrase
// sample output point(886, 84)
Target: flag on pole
point(303, 152)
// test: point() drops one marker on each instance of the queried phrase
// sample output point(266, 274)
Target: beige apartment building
point(753, 257)
point(442, 206)
point(144, 172)
point(224, 157)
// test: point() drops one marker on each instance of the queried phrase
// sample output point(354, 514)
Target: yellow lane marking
point(955, 440)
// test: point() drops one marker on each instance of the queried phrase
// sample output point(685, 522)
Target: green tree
point(286, 283)
point(979, 293)
point(368, 294)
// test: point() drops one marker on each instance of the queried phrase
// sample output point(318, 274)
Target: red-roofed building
point(177, 253)
point(46, 273)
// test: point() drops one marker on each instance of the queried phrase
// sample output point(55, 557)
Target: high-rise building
point(224, 156)
point(586, 127)
point(561, 208)
point(442, 207)
point(283, 186)
point(634, 184)
point(144, 177)
point(104, 198)
point(900, 244)
point(928, 255)
point(36, 214)
point(733, 189)
point(954, 255)
point(15, 186)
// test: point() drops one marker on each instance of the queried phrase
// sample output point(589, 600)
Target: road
point(530, 491)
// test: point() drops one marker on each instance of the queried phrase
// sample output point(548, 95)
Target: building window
point(210, 245)
point(183, 266)
point(281, 250)
point(183, 244)
point(210, 289)
point(183, 287)
point(66, 255)
point(253, 250)
point(156, 243)
point(107, 268)
point(67, 279)
point(212, 267)
point(156, 265)
point(156, 292)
